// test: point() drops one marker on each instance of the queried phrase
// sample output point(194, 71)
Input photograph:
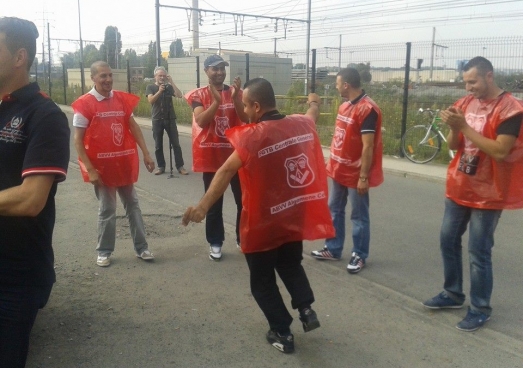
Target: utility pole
point(339, 57)
point(82, 77)
point(49, 52)
point(116, 47)
point(306, 89)
point(195, 26)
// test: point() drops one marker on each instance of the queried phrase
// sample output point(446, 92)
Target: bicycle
point(421, 143)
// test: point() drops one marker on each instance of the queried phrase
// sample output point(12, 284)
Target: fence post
point(197, 72)
point(128, 76)
point(313, 73)
point(405, 96)
point(247, 67)
point(65, 83)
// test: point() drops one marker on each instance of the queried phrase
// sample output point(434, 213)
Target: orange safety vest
point(284, 183)
point(474, 179)
point(344, 162)
point(210, 146)
point(108, 141)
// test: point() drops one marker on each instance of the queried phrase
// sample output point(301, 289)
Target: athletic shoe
point(159, 171)
point(146, 255)
point(215, 253)
point(284, 343)
point(472, 321)
point(442, 301)
point(324, 254)
point(103, 261)
point(182, 171)
point(356, 263)
point(309, 319)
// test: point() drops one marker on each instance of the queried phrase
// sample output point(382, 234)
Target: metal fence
point(400, 77)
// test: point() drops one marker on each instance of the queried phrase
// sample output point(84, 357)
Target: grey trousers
point(107, 218)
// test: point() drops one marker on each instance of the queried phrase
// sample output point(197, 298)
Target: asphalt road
point(374, 318)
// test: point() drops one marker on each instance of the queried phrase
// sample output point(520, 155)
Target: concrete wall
point(275, 70)
point(448, 75)
point(74, 79)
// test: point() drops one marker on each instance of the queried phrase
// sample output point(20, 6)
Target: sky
point(358, 23)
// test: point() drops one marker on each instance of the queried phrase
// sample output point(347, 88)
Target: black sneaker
point(324, 254)
point(309, 319)
point(284, 343)
point(356, 263)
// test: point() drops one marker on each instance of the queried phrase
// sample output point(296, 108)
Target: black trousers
point(214, 230)
point(169, 125)
point(286, 260)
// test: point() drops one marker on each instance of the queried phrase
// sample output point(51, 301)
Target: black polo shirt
point(34, 140)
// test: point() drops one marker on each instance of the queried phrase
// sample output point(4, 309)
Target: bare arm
point(138, 136)
point(28, 198)
point(314, 102)
point(205, 117)
point(94, 177)
point(366, 162)
point(177, 92)
point(238, 104)
point(497, 148)
point(218, 186)
point(153, 98)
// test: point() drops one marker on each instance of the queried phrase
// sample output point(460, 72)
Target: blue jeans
point(214, 230)
point(107, 218)
point(359, 217)
point(19, 306)
point(481, 240)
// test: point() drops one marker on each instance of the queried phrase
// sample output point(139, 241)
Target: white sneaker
point(215, 253)
point(103, 261)
point(146, 255)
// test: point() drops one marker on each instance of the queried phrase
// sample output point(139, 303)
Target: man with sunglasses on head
point(216, 108)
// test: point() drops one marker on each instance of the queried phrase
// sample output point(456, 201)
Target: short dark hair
point(482, 65)
point(261, 91)
point(351, 76)
point(20, 34)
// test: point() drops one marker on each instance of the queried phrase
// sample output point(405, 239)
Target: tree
point(176, 49)
point(134, 59)
point(150, 58)
point(91, 54)
point(111, 48)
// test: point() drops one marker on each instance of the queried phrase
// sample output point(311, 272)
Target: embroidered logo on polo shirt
point(12, 131)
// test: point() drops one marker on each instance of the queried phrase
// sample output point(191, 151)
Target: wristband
point(363, 178)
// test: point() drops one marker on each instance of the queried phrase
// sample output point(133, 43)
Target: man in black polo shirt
point(34, 146)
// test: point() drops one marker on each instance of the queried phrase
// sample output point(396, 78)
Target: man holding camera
point(160, 96)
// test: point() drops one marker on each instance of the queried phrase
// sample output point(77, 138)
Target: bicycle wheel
point(418, 146)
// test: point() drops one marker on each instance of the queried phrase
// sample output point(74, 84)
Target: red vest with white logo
point(344, 162)
point(210, 145)
point(284, 184)
point(474, 179)
point(108, 142)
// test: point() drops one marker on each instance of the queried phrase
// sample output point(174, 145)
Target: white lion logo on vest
point(339, 136)
point(117, 133)
point(299, 172)
point(222, 124)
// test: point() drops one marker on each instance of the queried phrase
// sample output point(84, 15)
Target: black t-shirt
point(34, 140)
point(163, 107)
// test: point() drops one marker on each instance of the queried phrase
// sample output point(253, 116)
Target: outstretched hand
point(193, 214)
